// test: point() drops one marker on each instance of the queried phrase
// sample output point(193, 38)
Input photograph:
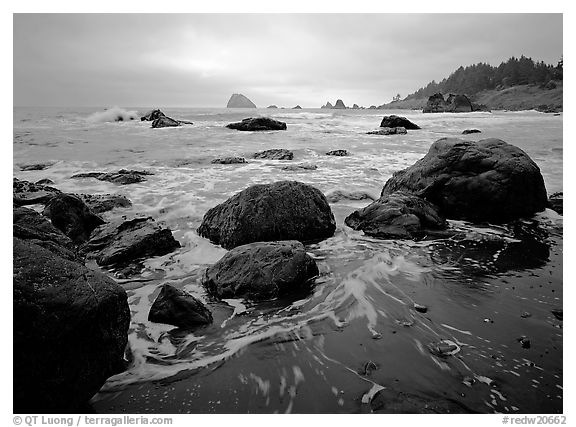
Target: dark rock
point(70, 215)
point(558, 313)
point(257, 124)
point(389, 401)
point(444, 348)
point(337, 153)
point(328, 105)
point(122, 177)
point(123, 242)
point(35, 167)
point(420, 308)
point(397, 216)
point(99, 203)
point(338, 195)
point(272, 106)
point(488, 180)
point(550, 85)
point(185, 122)
point(261, 270)
point(469, 131)
point(179, 308)
point(71, 330)
point(229, 160)
point(389, 131)
point(275, 154)
point(28, 193)
point(394, 121)
point(164, 122)
point(29, 225)
point(543, 108)
point(436, 104)
point(285, 210)
point(372, 107)
point(355, 107)
point(152, 115)
point(340, 105)
point(300, 167)
point(453, 104)
point(556, 202)
point(238, 100)
point(44, 181)
point(524, 342)
point(297, 108)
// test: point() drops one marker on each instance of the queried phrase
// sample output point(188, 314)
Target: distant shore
point(515, 98)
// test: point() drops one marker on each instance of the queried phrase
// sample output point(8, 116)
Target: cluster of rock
point(72, 321)
point(341, 106)
point(453, 104)
point(160, 120)
point(485, 181)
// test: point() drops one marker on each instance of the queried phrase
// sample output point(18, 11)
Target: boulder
point(339, 153)
point(469, 131)
point(164, 122)
point(274, 154)
point(488, 180)
point(122, 177)
point(272, 106)
point(556, 202)
point(29, 225)
point(355, 107)
point(389, 131)
point(152, 115)
point(121, 242)
point(261, 271)
point(70, 215)
point(397, 216)
point(36, 166)
point(436, 104)
point(257, 124)
point(179, 308)
point(70, 333)
point(284, 210)
point(44, 181)
point(99, 203)
point(238, 100)
point(28, 193)
point(340, 105)
point(328, 105)
point(297, 108)
point(459, 104)
point(394, 121)
point(229, 160)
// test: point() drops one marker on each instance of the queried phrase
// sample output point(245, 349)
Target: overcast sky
point(198, 60)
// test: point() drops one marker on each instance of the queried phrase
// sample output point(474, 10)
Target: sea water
point(357, 332)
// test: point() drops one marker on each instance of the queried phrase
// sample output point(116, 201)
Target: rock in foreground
point(28, 193)
point(257, 124)
point(488, 180)
point(274, 154)
point(99, 203)
point(394, 121)
point(123, 242)
point(179, 308)
point(261, 270)
point(70, 331)
point(397, 216)
point(237, 100)
point(284, 210)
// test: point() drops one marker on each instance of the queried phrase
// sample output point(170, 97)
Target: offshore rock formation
point(394, 121)
point(340, 105)
point(453, 104)
point(238, 100)
point(257, 124)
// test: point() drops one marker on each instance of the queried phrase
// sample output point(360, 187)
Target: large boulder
point(274, 154)
point(165, 122)
point(121, 242)
point(261, 270)
point(28, 193)
point(394, 121)
point(70, 215)
point(257, 124)
point(70, 331)
point(436, 104)
point(176, 307)
point(27, 224)
point(459, 104)
point(152, 115)
point(284, 210)
point(488, 180)
point(237, 100)
point(339, 105)
point(398, 216)
point(99, 203)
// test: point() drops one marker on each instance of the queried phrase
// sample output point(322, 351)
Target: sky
point(199, 60)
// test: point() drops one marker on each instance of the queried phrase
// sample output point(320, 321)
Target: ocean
point(356, 335)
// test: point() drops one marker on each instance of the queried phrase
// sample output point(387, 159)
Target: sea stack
point(340, 105)
point(237, 100)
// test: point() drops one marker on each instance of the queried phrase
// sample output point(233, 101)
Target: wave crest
point(114, 114)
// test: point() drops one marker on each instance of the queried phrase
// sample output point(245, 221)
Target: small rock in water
point(367, 368)
point(444, 348)
point(339, 153)
point(44, 181)
point(420, 308)
point(469, 131)
point(558, 313)
point(228, 160)
point(176, 307)
point(525, 315)
point(468, 381)
point(303, 166)
point(35, 167)
point(524, 341)
point(486, 320)
point(275, 154)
